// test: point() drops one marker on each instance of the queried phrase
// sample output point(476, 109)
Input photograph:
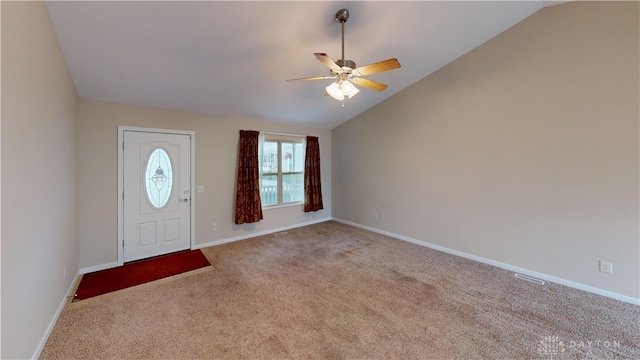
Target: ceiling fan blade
point(326, 60)
point(368, 83)
point(313, 78)
point(374, 68)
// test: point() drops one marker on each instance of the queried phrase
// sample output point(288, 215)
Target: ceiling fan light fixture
point(341, 89)
point(335, 92)
point(348, 89)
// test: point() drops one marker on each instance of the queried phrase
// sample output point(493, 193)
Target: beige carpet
point(331, 291)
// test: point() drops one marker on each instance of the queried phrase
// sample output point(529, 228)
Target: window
point(281, 176)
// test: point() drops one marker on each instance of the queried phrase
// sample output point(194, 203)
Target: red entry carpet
point(139, 272)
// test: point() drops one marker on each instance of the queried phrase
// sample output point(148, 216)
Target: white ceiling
point(231, 58)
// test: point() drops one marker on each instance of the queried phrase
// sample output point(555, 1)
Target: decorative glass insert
point(158, 178)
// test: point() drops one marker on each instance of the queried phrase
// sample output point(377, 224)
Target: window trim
point(279, 174)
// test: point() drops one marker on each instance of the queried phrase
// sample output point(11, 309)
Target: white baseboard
point(260, 233)
point(214, 243)
point(91, 269)
point(572, 284)
point(553, 279)
point(52, 323)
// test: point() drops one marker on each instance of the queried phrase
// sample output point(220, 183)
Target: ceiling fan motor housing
point(346, 64)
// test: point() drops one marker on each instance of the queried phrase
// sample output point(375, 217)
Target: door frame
point(120, 193)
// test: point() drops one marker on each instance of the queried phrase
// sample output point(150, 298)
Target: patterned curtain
point(312, 186)
point(248, 204)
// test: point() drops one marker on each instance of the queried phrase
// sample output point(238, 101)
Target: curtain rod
point(282, 134)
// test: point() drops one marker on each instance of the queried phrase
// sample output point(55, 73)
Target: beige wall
point(216, 152)
point(39, 178)
point(523, 151)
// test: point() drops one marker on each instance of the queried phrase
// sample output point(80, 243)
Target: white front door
point(157, 194)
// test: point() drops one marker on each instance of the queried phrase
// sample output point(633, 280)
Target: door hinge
point(123, 243)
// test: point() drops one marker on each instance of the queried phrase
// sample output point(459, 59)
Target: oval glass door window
point(158, 178)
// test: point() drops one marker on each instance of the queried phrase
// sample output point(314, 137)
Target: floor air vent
point(530, 279)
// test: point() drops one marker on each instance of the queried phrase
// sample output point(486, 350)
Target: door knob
point(185, 200)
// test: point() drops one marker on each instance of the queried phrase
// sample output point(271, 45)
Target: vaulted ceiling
point(231, 58)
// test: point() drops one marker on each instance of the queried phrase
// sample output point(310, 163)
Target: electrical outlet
point(200, 189)
point(375, 216)
point(214, 227)
point(606, 267)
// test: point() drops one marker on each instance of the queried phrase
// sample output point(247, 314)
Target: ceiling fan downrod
point(342, 16)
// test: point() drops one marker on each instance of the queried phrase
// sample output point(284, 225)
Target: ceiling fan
point(346, 73)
